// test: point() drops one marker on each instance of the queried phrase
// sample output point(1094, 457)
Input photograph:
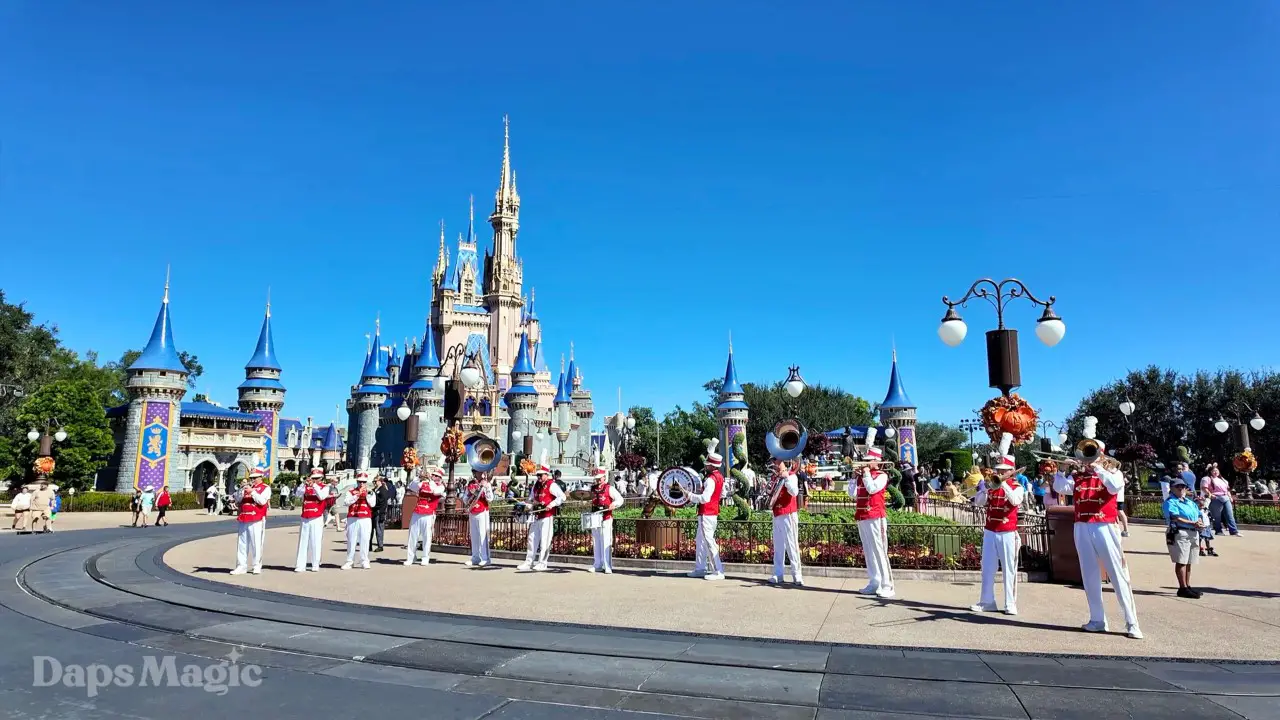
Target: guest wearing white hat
point(253, 497)
point(544, 497)
point(423, 522)
point(311, 529)
point(708, 565)
point(868, 491)
point(1001, 496)
point(604, 499)
point(359, 503)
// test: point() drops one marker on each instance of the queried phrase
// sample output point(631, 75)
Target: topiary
point(896, 501)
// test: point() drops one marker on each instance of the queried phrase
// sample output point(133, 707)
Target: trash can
point(1064, 563)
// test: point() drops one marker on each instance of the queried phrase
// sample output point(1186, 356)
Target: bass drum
point(675, 484)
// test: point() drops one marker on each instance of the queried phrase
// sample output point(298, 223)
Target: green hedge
point(961, 461)
point(1245, 514)
point(119, 502)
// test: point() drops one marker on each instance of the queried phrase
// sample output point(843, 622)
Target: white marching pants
point(539, 541)
point(786, 539)
point(249, 545)
point(479, 538)
point(421, 529)
point(602, 545)
point(874, 535)
point(358, 532)
point(1100, 543)
point(708, 550)
point(1000, 548)
point(310, 533)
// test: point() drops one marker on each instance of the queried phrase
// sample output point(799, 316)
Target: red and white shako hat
point(599, 473)
point(1006, 462)
point(362, 476)
point(317, 473)
point(436, 472)
point(543, 469)
point(873, 453)
point(257, 473)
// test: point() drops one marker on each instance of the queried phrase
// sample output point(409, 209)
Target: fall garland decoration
point(43, 465)
point(451, 444)
point(527, 466)
point(1011, 415)
point(409, 459)
point(1245, 462)
point(1048, 468)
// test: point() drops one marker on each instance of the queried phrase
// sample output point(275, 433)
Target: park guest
point(1221, 510)
point(1184, 527)
point(163, 501)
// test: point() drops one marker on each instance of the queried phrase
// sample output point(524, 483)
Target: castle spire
point(264, 353)
point(504, 183)
point(896, 398)
point(730, 386)
point(471, 219)
point(160, 354)
point(442, 260)
point(375, 364)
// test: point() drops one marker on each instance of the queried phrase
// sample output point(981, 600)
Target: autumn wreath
point(1011, 415)
point(1245, 462)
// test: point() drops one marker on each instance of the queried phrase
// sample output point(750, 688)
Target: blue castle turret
point(732, 412)
point(366, 399)
point(897, 411)
point(426, 393)
point(563, 415)
point(262, 393)
point(522, 399)
point(156, 382)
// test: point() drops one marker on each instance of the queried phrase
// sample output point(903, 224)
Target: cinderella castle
point(481, 317)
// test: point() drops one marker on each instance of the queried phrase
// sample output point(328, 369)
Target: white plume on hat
point(1005, 441)
point(871, 436)
point(1090, 427)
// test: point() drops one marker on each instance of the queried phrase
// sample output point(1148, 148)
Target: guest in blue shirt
point(1183, 536)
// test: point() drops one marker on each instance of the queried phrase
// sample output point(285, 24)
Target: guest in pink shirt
point(1218, 490)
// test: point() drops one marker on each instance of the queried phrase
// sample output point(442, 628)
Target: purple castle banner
point(153, 446)
point(907, 445)
point(267, 425)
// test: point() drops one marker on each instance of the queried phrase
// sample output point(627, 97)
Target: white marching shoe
point(346, 565)
point(1011, 610)
point(695, 574)
point(1133, 632)
point(540, 567)
point(591, 569)
point(868, 590)
point(256, 571)
point(524, 567)
point(886, 593)
point(239, 571)
point(608, 571)
point(714, 576)
point(775, 580)
point(364, 565)
point(301, 569)
point(1094, 627)
point(983, 607)
point(468, 563)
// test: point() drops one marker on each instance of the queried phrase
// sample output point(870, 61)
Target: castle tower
point(563, 418)
point(522, 401)
point(262, 394)
point(366, 398)
point(583, 407)
point(898, 412)
point(426, 396)
point(503, 271)
point(156, 382)
point(732, 412)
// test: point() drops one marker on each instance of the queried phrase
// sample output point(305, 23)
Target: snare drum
point(592, 520)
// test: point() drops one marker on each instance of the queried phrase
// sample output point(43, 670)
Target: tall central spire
point(504, 182)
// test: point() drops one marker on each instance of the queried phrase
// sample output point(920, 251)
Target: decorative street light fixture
point(44, 464)
point(794, 384)
point(1003, 369)
point(466, 375)
point(1223, 423)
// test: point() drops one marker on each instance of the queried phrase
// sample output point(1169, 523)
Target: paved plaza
point(1236, 619)
point(458, 643)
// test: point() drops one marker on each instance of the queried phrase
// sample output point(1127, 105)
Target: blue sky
point(812, 179)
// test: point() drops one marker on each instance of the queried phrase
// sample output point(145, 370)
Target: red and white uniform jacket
point(481, 494)
point(429, 493)
point(1093, 492)
point(253, 502)
point(1002, 505)
point(546, 492)
point(607, 497)
point(313, 497)
point(359, 506)
point(712, 491)
point(868, 494)
point(788, 498)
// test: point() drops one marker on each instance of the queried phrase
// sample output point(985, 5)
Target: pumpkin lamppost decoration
point(44, 464)
point(1244, 461)
point(1008, 412)
point(467, 375)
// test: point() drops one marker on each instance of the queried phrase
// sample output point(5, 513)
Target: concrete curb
point(961, 576)
point(1249, 528)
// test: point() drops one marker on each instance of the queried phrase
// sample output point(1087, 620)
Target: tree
point(76, 406)
point(935, 438)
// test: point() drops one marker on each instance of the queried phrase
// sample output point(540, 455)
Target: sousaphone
point(483, 453)
point(787, 439)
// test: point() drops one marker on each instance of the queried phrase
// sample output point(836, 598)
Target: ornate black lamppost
point(1003, 368)
point(1223, 423)
point(44, 456)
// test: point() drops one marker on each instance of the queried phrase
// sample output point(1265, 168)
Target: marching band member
point(253, 497)
point(422, 525)
point(1002, 496)
point(477, 496)
point(1094, 489)
point(544, 497)
point(314, 492)
point(868, 492)
point(359, 503)
point(605, 498)
point(786, 522)
point(708, 550)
